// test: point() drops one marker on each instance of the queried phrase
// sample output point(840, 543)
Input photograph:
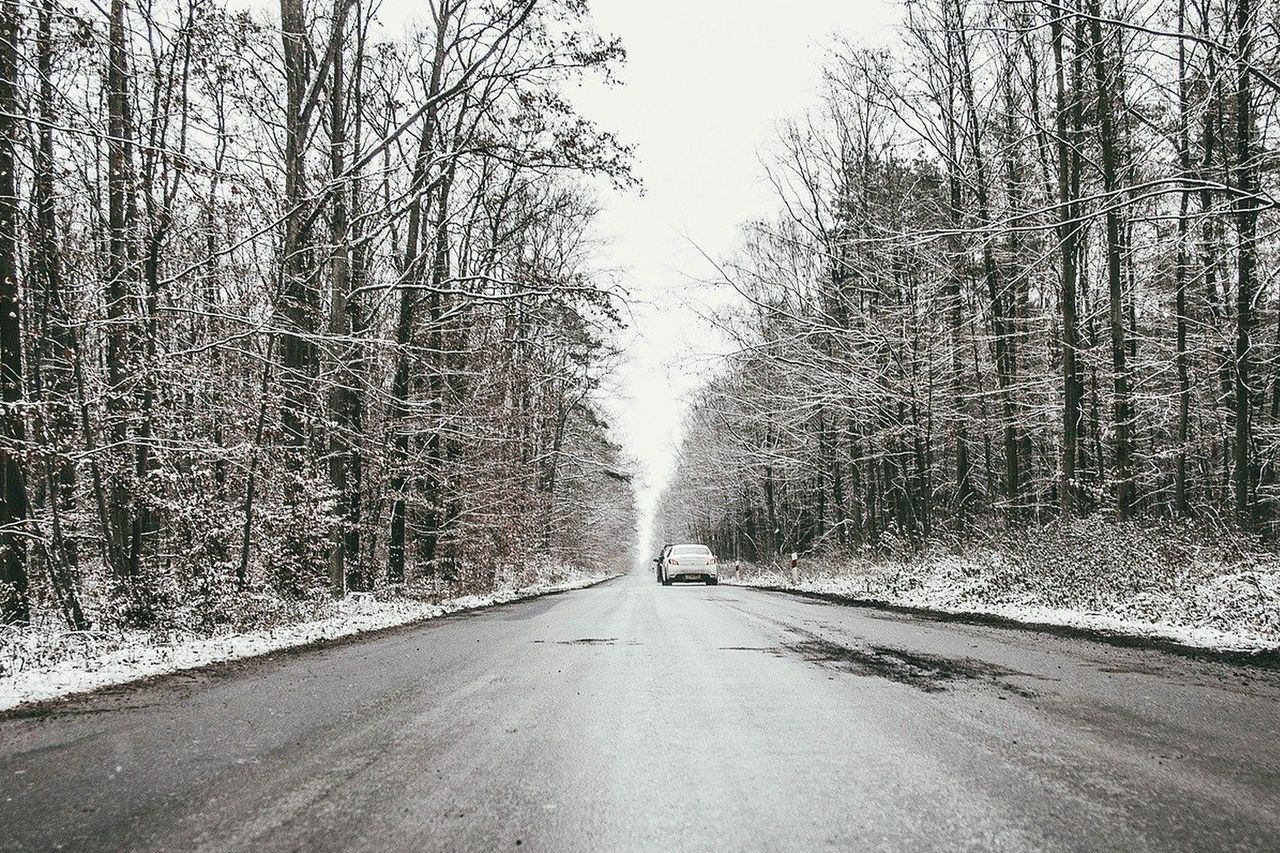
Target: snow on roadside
point(141, 656)
point(948, 590)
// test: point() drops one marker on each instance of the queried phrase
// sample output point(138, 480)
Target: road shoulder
point(41, 691)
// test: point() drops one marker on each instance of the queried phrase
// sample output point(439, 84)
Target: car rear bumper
point(690, 572)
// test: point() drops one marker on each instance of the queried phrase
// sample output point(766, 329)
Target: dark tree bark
point(299, 300)
point(1245, 209)
point(1180, 279)
point(342, 382)
point(1122, 416)
point(965, 492)
point(357, 577)
point(14, 602)
point(121, 216)
point(1069, 240)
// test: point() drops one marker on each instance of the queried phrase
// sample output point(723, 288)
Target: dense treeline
point(1022, 269)
point(292, 305)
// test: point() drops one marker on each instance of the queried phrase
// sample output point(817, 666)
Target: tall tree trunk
point(954, 298)
point(120, 272)
point(14, 601)
point(339, 326)
point(1180, 277)
point(1018, 466)
point(1122, 413)
point(1218, 370)
point(357, 576)
point(1245, 208)
point(298, 299)
point(1069, 240)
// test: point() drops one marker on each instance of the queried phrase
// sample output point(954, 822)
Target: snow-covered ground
point(1235, 610)
point(40, 664)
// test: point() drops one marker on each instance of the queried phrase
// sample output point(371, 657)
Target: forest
point(298, 301)
point(639, 425)
point(1021, 270)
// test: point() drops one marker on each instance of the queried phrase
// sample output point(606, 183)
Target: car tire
point(713, 581)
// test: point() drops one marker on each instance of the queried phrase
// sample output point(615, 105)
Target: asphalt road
point(631, 716)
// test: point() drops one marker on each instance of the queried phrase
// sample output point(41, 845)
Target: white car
point(688, 563)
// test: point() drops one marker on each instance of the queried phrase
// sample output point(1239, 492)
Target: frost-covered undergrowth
point(1210, 591)
point(42, 662)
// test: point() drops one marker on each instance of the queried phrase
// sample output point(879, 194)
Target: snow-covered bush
point(1150, 572)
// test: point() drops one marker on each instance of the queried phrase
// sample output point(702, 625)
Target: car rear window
point(686, 550)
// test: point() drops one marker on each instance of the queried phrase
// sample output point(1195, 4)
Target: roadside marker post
point(795, 567)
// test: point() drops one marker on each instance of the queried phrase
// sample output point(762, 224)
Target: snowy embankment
point(1198, 600)
point(39, 664)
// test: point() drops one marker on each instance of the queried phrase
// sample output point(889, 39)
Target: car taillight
point(674, 562)
point(711, 562)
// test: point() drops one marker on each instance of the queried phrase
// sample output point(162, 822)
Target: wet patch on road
point(925, 672)
point(588, 641)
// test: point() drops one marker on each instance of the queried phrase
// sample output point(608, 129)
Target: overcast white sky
point(705, 85)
